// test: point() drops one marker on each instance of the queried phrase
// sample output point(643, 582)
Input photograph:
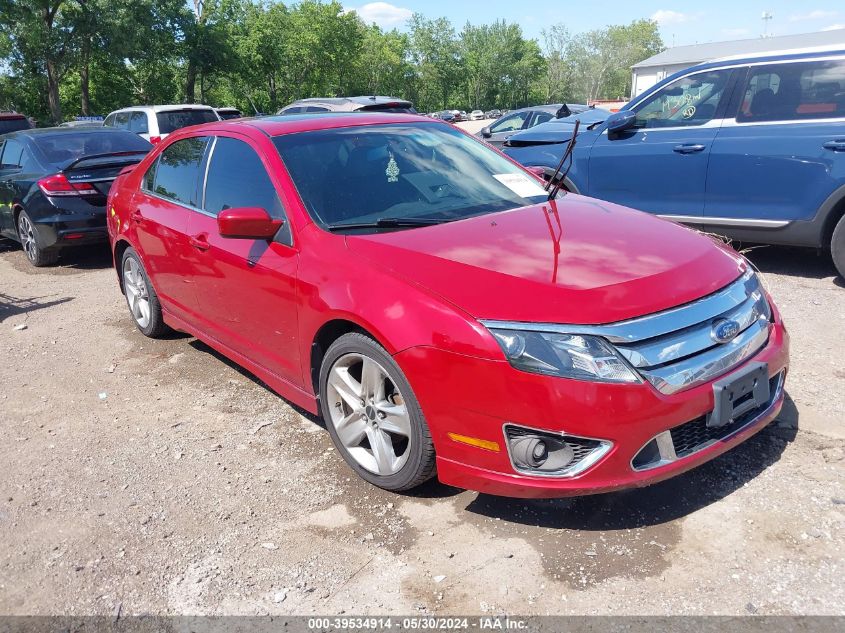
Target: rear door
point(782, 152)
point(660, 166)
point(246, 289)
point(159, 213)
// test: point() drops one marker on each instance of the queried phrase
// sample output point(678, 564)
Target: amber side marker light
point(475, 441)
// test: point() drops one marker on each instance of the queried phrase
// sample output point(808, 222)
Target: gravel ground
point(145, 476)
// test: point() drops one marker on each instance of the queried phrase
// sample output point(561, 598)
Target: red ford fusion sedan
point(422, 293)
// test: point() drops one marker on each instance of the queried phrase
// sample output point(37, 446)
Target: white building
point(656, 68)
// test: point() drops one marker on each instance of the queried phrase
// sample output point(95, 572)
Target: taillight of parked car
point(59, 185)
point(155, 140)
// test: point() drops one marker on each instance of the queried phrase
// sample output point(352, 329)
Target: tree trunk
point(190, 82)
point(84, 84)
point(53, 92)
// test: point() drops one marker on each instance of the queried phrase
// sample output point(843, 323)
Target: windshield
point(404, 171)
point(62, 148)
point(172, 120)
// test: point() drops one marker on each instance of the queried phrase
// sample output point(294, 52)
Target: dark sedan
point(54, 183)
point(525, 118)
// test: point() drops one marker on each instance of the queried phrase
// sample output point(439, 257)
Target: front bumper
point(472, 397)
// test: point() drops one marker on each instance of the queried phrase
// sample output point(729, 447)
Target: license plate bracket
point(739, 393)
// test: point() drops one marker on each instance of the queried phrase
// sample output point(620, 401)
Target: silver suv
point(349, 104)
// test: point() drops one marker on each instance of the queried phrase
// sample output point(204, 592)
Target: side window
point(294, 110)
point(12, 154)
point(238, 178)
point(688, 101)
point(121, 120)
point(541, 117)
point(138, 123)
point(109, 122)
point(176, 172)
point(316, 109)
point(510, 123)
point(794, 92)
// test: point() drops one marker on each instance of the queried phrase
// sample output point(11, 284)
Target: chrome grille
point(676, 349)
point(686, 354)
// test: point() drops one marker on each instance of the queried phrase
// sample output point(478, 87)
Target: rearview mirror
point(249, 223)
point(621, 121)
point(485, 132)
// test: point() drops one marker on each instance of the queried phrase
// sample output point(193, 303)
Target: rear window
point(13, 124)
point(60, 149)
point(396, 108)
point(173, 120)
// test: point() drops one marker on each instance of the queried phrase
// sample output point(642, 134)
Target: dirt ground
point(141, 476)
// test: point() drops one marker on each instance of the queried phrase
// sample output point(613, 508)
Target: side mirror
point(621, 121)
point(248, 223)
point(485, 132)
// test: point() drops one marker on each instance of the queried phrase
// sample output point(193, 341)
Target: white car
point(154, 123)
point(476, 115)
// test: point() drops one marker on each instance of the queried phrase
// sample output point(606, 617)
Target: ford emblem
point(724, 330)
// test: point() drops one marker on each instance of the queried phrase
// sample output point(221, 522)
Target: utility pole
point(766, 17)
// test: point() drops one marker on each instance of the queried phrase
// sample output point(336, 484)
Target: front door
point(660, 165)
point(246, 289)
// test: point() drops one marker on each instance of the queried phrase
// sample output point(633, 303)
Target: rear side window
point(794, 92)
point(12, 153)
point(13, 124)
point(173, 120)
point(238, 178)
point(138, 123)
point(175, 175)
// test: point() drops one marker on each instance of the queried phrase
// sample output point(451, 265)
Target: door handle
point(199, 242)
point(689, 148)
point(136, 216)
point(836, 146)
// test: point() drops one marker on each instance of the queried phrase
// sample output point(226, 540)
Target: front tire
point(32, 243)
point(141, 297)
point(373, 416)
point(837, 247)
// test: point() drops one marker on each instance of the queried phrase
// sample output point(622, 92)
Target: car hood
point(577, 261)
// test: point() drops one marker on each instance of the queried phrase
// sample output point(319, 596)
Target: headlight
point(566, 355)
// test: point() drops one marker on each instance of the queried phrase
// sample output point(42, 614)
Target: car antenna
point(566, 154)
point(257, 113)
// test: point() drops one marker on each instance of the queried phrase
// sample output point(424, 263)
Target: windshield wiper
point(385, 223)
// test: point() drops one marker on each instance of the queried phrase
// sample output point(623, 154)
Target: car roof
point(291, 123)
point(164, 108)
point(48, 131)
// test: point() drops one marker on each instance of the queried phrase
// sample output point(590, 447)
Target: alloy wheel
point(26, 232)
point(369, 414)
point(137, 294)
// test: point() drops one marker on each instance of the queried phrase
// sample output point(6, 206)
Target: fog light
point(551, 454)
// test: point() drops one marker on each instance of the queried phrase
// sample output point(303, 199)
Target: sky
point(680, 23)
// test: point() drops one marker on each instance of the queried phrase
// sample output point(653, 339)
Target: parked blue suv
point(750, 148)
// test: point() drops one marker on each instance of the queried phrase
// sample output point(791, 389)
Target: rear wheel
point(373, 416)
point(141, 297)
point(837, 247)
point(32, 243)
